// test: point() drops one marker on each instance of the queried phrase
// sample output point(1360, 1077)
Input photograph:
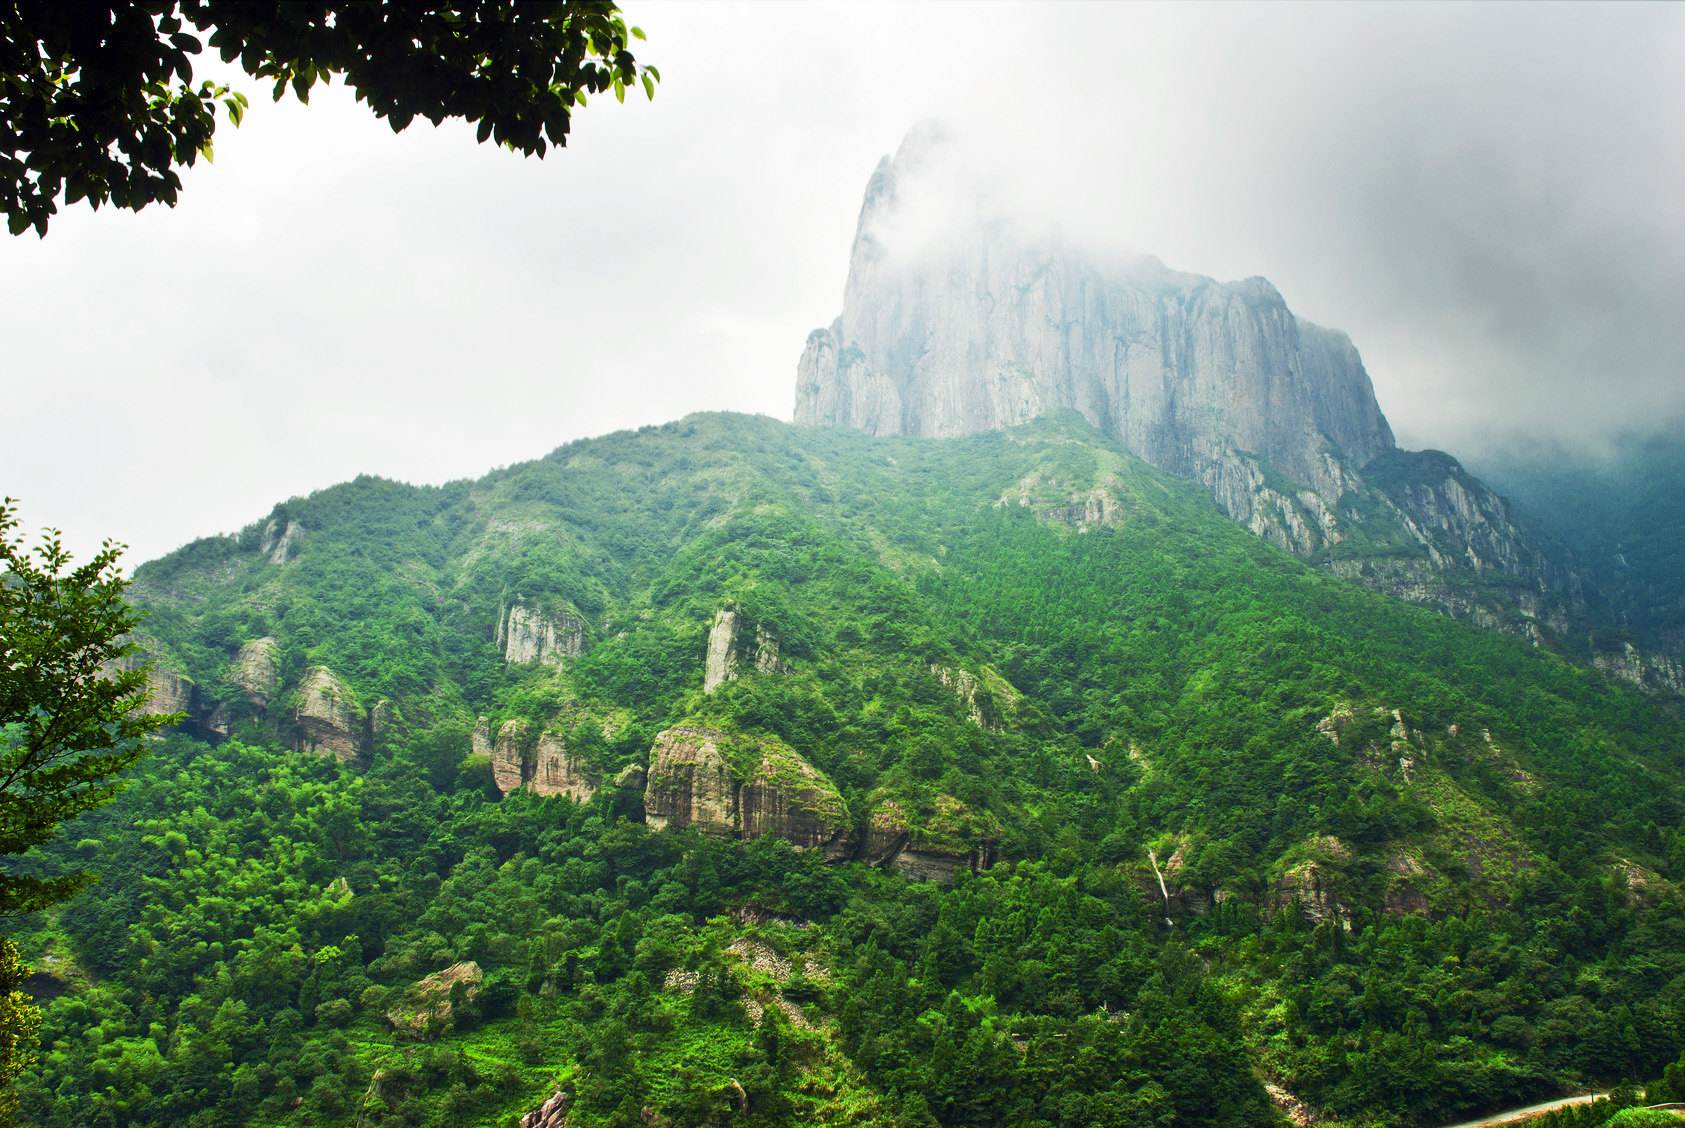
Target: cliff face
point(695, 779)
point(729, 650)
point(330, 721)
point(993, 328)
point(257, 671)
point(527, 636)
point(1216, 382)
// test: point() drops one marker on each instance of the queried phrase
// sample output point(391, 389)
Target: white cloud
point(1485, 197)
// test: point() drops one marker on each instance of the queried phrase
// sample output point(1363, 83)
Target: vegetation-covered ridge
point(1112, 813)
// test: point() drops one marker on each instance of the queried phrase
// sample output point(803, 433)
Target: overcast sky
point(1487, 198)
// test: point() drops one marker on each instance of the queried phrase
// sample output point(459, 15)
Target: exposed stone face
point(257, 670)
point(720, 665)
point(891, 844)
point(1095, 507)
point(429, 999)
point(692, 782)
point(1647, 671)
point(1220, 383)
point(556, 770)
point(1405, 876)
point(993, 328)
point(528, 637)
point(480, 743)
point(1313, 883)
point(984, 698)
point(279, 537)
point(330, 721)
point(553, 1113)
point(791, 799)
point(168, 691)
point(509, 756)
point(768, 659)
point(727, 653)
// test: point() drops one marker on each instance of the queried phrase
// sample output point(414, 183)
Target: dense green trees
point(1402, 919)
point(71, 718)
point(98, 101)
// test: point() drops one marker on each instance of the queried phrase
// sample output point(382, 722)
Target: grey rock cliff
point(997, 328)
point(529, 637)
point(994, 325)
point(167, 691)
point(729, 651)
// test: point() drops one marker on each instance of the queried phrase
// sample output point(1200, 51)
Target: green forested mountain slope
point(1200, 816)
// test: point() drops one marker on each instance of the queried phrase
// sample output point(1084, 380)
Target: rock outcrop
point(480, 743)
point(529, 637)
point(557, 770)
point(509, 756)
point(895, 841)
point(167, 691)
point(553, 1113)
point(994, 327)
point(543, 764)
point(996, 324)
point(789, 798)
point(728, 650)
point(330, 721)
point(690, 782)
point(257, 671)
point(1313, 884)
point(428, 1002)
point(986, 699)
point(280, 534)
point(742, 787)
point(1647, 671)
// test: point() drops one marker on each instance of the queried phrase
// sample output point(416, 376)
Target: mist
point(1485, 197)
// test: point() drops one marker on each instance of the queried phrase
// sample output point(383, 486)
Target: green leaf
point(649, 88)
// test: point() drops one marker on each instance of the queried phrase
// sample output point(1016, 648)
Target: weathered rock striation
point(1216, 382)
point(742, 787)
point(546, 765)
point(509, 756)
point(329, 719)
point(167, 691)
point(728, 650)
point(529, 637)
point(558, 770)
point(257, 671)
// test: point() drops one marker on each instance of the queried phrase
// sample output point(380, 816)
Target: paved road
point(1519, 1115)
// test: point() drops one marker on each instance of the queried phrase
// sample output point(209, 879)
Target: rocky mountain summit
point(1217, 382)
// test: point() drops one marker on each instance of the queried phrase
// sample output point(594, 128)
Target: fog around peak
point(1485, 197)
